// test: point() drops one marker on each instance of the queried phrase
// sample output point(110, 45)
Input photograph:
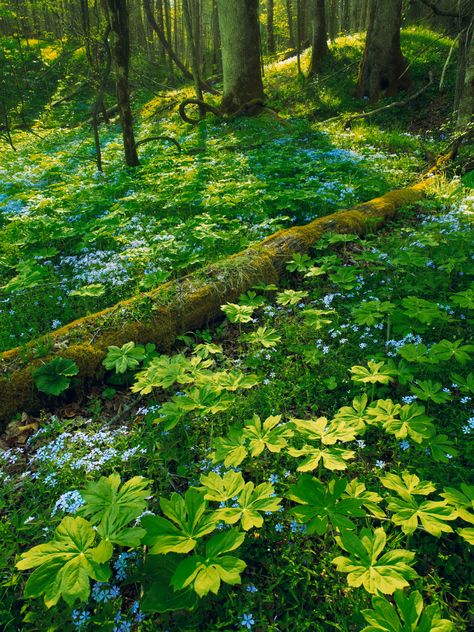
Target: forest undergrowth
point(294, 467)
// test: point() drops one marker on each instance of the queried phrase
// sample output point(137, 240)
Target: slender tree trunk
point(465, 108)
point(216, 39)
point(270, 29)
point(320, 37)
point(289, 13)
point(332, 23)
point(194, 53)
point(240, 36)
point(118, 20)
point(383, 68)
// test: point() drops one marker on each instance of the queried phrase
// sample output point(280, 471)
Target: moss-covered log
point(182, 305)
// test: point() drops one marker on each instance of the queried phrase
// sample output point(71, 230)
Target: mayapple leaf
point(124, 358)
point(66, 564)
point(222, 488)
point(321, 504)
point(271, 434)
point(187, 520)
point(252, 501)
point(407, 615)
point(107, 498)
point(205, 574)
point(367, 567)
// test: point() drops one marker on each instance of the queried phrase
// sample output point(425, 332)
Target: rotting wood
point(185, 304)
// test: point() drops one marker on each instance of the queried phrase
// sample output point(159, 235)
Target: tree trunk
point(289, 13)
point(118, 20)
point(239, 28)
point(383, 68)
point(195, 65)
point(466, 96)
point(270, 29)
point(320, 37)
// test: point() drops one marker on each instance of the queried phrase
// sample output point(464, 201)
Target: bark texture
point(383, 69)
point(119, 26)
point(240, 40)
point(466, 90)
point(183, 305)
point(320, 37)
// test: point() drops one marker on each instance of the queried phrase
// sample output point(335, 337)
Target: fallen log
point(186, 304)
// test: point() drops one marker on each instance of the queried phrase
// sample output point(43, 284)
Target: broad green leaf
point(159, 595)
point(191, 522)
point(354, 416)
point(124, 358)
point(263, 336)
point(271, 435)
point(409, 615)
point(408, 485)
point(231, 449)
point(371, 312)
point(65, 564)
point(321, 430)
point(370, 500)
point(462, 500)
point(205, 574)
point(427, 389)
point(222, 488)
point(107, 499)
point(375, 373)
point(53, 377)
point(430, 513)
point(412, 423)
point(238, 313)
point(367, 567)
point(323, 504)
point(446, 350)
point(332, 458)
point(250, 503)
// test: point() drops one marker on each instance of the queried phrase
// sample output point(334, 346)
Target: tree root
point(166, 138)
point(247, 109)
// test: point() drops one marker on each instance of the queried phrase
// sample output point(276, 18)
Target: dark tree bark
point(194, 52)
point(320, 37)
point(291, 32)
point(239, 28)
point(383, 68)
point(465, 109)
point(270, 29)
point(120, 49)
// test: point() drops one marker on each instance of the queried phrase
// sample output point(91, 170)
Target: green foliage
point(368, 567)
point(322, 505)
point(125, 358)
point(370, 312)
point(187, 521)
point(409, 615)
point(375, 373)
point(206, 572)
point(53, 378)
point(251, 502)
point(263, 336)
point(65, 564)
point(238, 313)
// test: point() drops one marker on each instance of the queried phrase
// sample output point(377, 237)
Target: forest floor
point(373, 334)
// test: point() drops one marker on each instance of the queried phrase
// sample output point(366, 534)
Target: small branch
point(437, 11)
point(395, 104)
point(448, 59)
point(167, 138)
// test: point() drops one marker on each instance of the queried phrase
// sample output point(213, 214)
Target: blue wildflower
point(247, 621)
